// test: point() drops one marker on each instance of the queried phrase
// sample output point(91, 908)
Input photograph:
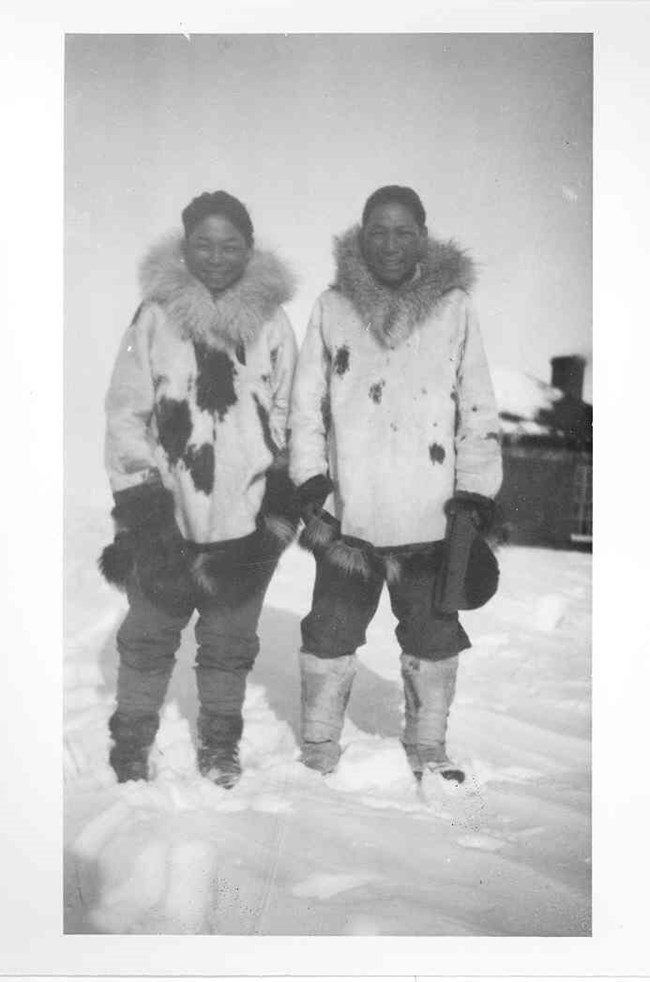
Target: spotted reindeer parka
point(200, 391)
point(393, 399)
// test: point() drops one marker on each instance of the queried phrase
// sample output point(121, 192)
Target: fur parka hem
point(175, 573)
point(465, 568)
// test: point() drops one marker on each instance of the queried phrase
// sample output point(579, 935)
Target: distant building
point(546, 498)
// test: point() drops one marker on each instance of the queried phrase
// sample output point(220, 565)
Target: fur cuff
point(319, 532)
point(231, 569)
point(356, 557)
point(281, 528)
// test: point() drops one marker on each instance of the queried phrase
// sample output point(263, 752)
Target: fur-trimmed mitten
point(280, 509)
point(480, 509)
point(148, 541)
point(320, 529)
point(469, 573)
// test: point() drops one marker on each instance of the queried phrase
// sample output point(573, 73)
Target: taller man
point(393, 426)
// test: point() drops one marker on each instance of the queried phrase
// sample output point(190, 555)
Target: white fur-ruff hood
point(392, 315)
point(234, 317)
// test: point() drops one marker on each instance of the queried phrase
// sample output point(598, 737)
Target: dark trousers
point(343, 606)
point(226, 635)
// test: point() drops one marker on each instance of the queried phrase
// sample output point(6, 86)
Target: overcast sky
point(492, 130)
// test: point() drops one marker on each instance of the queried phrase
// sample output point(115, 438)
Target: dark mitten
point(148, 542)
point(469, 572)
point(313, 494)
point(480, 510)
point(117, 559)
point(138, 512)
point(147, 508)
point(280, 509)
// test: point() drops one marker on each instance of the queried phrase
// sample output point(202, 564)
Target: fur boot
point(218, 752)
point(326, 684)
point(133, 734)
point(429, 688)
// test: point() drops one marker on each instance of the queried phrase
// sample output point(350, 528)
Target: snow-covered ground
point(361, 852)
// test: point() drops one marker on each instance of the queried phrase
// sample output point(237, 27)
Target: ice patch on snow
point(483, 842)
point(325, 885)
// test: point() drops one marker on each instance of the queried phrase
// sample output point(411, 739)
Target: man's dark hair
point(218, 203)
point(394, 194)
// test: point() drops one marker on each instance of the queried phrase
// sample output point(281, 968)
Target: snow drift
point(364, 851)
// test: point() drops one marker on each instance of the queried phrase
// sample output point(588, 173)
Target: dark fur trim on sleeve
point(319, 532)
point(227, 569)
point(281, 528)
point(416, 560)
point(352, 560)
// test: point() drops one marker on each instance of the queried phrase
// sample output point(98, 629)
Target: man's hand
point(313, 494)
point(480, 509)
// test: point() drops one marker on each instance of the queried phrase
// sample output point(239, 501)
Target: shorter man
point(196, 430)
point(392, 419)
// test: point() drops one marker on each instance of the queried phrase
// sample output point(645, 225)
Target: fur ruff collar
point(392, 315)
point(234, 317)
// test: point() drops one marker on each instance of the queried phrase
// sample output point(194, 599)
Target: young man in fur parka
point(393, 430)
point(196, 457)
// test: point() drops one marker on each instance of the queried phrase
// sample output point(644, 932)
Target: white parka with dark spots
point(393, 399)
point(200, 391)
